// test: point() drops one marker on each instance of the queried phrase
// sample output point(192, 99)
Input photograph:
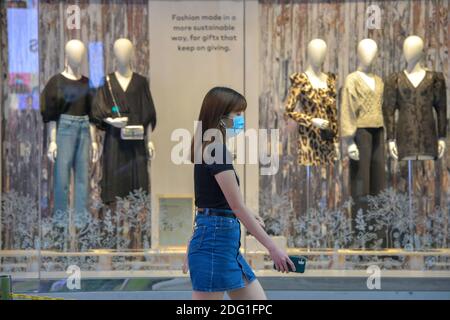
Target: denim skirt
point(214, 259)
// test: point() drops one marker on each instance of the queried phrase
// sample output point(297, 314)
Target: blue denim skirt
point(215, 262)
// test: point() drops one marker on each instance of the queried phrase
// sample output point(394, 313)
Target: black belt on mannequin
point(216, 212)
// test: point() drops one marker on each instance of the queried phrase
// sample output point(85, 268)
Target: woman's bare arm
point(230, 188)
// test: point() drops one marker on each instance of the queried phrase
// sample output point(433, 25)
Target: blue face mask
point(238, 126)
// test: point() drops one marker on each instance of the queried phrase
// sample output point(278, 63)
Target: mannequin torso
point(368, 78)
point(124, 77)
point(72, 72)
point(317, 78)
point(416, 76)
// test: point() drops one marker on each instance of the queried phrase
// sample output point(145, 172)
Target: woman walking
point(213, 258)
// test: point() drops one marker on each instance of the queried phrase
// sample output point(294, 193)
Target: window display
point(354, 114)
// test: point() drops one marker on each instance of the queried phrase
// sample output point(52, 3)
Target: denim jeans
point(72, 140)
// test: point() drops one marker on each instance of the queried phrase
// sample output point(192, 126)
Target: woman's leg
point(251, 291)
point(200, 295)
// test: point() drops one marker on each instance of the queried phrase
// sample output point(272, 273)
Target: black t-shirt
point(207, 191)
point(62, 95)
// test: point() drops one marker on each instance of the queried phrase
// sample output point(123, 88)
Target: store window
point(347, 101)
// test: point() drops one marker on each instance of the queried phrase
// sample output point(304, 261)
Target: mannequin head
point(316, 52)
point(123, 51)
point(75, 51)
point(367, 51)
point(413, 49)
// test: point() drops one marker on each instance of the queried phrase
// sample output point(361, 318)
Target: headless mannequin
point(75, 52)
point(367, 51)
point(316, 53)
point(123, 52)
point(413, 53)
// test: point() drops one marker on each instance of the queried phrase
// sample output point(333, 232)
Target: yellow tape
point(28, 297)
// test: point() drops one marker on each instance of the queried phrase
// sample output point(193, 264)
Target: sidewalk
point(272, 295)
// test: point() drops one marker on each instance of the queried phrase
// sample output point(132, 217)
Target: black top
point(207, 191)
point(124, 162)
point(62, 95)
point(416, 131)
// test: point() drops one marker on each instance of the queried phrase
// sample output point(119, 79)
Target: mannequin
point(65, 108)
point(362, 125)
point(315, 117)
point(75, 52)
point(123, 52)
point(413, 47)
point(367, 51)
point(316, 52)
point(124, 101)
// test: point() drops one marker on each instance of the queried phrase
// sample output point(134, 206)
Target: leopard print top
point(314, 103)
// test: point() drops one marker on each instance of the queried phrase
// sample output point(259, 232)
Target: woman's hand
point(281, 260)
point(185, 266)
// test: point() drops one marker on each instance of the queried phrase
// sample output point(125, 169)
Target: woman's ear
point(225, 122)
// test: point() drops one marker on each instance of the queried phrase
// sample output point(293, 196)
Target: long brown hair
point(218, 102)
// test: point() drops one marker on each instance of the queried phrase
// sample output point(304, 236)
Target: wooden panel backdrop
point(20, 136)
point(286, 28)
point(101, 21)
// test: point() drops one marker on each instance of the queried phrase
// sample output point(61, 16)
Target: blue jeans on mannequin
point(72, 140)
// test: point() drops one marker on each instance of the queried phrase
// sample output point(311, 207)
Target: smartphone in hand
point(299, 262)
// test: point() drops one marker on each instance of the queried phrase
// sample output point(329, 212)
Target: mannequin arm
point(150, 145)
point(94, 145)
point(301, 118)
point(306, 120)
point(119, 122)
point(353, 151)
point(348, 118)
point(352, 148)
point(291, 101)
point(337, 148)
point(393, 149)
point(52, 131)
point(441, 147)
point(389, 108)
point(52, 147)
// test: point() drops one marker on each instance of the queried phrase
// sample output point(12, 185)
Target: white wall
point(180, 80)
